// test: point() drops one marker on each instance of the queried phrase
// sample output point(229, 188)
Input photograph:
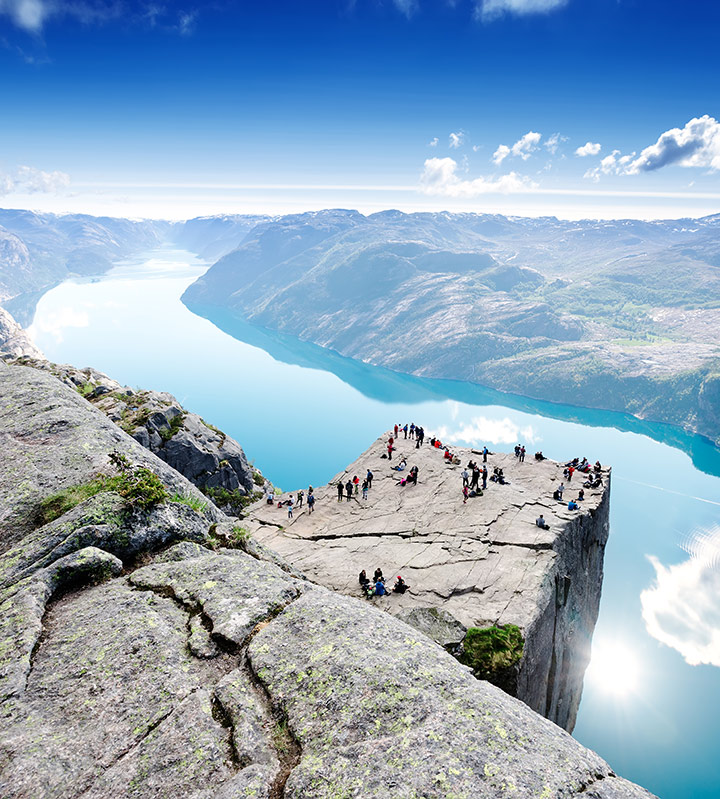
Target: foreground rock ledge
point(132, 666)
point(480, 564)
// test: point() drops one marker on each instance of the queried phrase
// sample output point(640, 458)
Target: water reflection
point(682, 608)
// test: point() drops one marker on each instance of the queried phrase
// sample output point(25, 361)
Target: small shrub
point(258, 479)
point(192, 502)
point(493, 653)
point(166, 433)
point(233, 501)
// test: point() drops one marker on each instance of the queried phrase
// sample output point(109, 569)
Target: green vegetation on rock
point(166, 433)
point(493, 653)
point(139, 485)
point(192, 502)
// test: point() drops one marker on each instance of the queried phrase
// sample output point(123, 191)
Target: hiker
point(378, 575)
point(396, 428)
point(540, 522)
point(364, 489)
point(484, 477)
point(448, 455)
point(401, 465)
point(560, 490)
point(390, 449)
point(380, 589)
point(486, 452)
point(522, 455)
point(369, 478)
point(581, 495)
point(400, 586)
point(300, 497)
point(466, 491)
point(597, 467)
point(539, 456)
point(356, 484)
point(517, 450)
point(290, 507)
point(405, 430)
point(412, 429)
point(572, 505)
point(349, 490)
point(340, 489)
point(270, 497)
point(475, 477)
point(364, 580)
point(465, 477)
point(421, 435)
point(412, 477)
point(311, 502)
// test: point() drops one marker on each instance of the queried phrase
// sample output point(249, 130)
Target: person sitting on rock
point(380, 589)
point(581, 495)
point(572, 505)
point(364, 580)
point(401, 466)
point(448, 455)
point(540, 522)
point(597, 467)
point(412, 477)
point(400, 586)
point(539, 456)
point(378, 575)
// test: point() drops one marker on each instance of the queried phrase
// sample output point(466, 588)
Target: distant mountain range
point(623, 315)
point(38, 251)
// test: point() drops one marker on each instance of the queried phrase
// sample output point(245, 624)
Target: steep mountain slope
point(622, 315)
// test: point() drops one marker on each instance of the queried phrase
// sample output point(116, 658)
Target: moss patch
point(493, 653)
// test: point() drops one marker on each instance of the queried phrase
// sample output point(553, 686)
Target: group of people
point(594, 480)
point(411, 431)
point(520, 453)
point(291, 503)
point(376, 587)
point(352, 487)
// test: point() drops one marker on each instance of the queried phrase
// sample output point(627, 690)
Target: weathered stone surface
point(436, 623)
point(51, 438)
point(485, 562)
point(234, 592)
point(106, 521)
point(377, 707)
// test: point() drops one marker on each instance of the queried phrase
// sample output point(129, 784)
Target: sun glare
point(614, 668)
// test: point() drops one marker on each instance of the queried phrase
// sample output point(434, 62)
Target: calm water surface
point(302, 414)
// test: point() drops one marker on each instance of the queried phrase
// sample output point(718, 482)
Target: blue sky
point(565, 107)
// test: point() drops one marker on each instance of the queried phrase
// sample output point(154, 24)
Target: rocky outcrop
point(212, 461)
point(14, 341)
point(139, 657)
point(474, 565)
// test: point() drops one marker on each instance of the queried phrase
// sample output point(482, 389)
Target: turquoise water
point(302, 414)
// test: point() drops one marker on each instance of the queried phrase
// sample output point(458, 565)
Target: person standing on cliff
point(311, 501)
point(485, 454)
point(290, 507)
point(348, 490)
point(369, 478)
point(465, 477)
point(484, 477)
point(300, 497)
point(364, 489)
point(412, 429)
point(340, 489)
point(466, 491)
point(522, 454)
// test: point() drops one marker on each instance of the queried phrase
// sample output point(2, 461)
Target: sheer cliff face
point(599, 314)
point(469, 565)
point(14, 341)
point(145, 652)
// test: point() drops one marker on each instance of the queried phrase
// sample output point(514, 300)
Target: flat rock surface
point(484, 562)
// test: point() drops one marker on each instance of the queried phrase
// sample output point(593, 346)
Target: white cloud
point(589, 148)
point(488, 10)
point(481, 430)
point(433, 142)
point(553, 142)
point(440, 177)
point(29, 180)
point(56, 323)
point(456, 140)
point(27, 14)
point(523, 147)
point(682, 609)
point(697, 144)
point(406, 7)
